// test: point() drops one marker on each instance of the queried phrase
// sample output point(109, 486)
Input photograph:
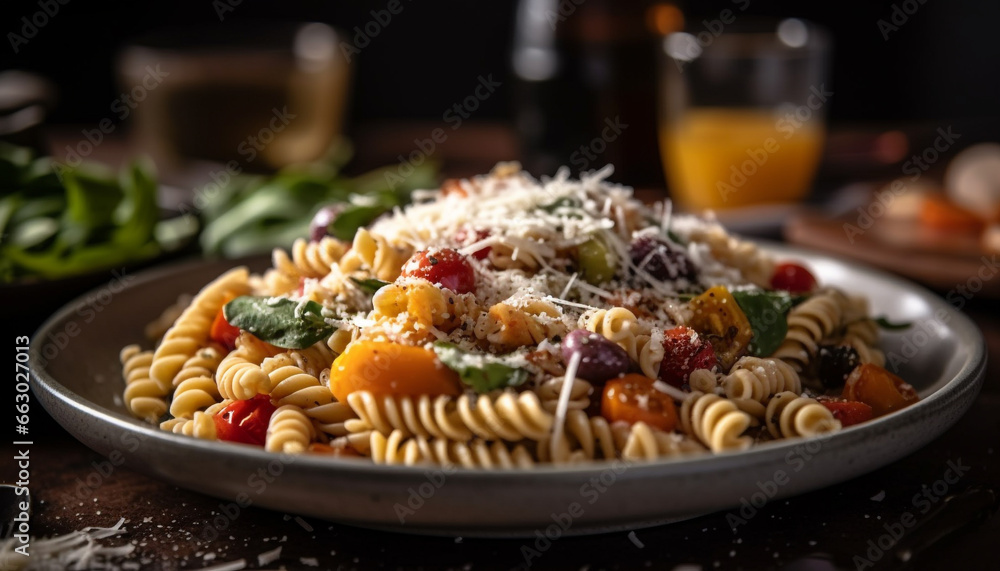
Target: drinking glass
point(741, 111)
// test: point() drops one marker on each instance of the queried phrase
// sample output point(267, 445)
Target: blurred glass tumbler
point(741, 112)
point(264, 97)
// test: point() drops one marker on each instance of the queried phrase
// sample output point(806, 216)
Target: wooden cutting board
point(943, 261)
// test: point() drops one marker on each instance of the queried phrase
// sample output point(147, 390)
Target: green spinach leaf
point(482, 372)
point(280, 321)
point(766, 311)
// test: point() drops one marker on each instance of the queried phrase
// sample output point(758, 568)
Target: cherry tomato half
point(683, 352)
point(222, 332)
point(245, 420)
point(632, 398)
point(847, 412)
point(879, 389)
point(443, 266)
point(792, 278)
point(462, 236)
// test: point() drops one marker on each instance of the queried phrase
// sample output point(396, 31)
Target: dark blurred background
point(942, 64)
point(899, 70)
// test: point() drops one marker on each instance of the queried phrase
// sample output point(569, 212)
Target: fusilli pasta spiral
point(144, 397)
point(755, 265)
point(808, 324)
point(374, 254)
point(190, 332)
point(291, 385)
point(715, 421)
point(239, 375)
point(583, 438)
point(476, 453)
point(790, 415)
point(501, 416)
point(196, 387)
point(643, 442)
point(289, 431)
point(200, 425)
point(579, 394)
point(760, 379)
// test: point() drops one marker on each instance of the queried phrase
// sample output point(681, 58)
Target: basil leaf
point(280, 321)
point(482, 372)
point(767, 312)
point(355, 216)
point(884, 323)
point(370, 285)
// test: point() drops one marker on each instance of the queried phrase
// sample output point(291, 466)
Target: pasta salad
point(502, 322)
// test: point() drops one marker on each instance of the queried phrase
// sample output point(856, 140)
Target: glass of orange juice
point(741, 111)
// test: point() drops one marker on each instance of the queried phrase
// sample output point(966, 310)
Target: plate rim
point(971, 373)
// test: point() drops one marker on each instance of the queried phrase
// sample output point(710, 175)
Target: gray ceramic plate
point(76, 376)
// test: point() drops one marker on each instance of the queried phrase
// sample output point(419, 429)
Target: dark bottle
point(585, 85)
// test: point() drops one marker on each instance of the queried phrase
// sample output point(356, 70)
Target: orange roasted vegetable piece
point(632, 398)
point(879, 389)
point(391, 369)
point(719, 318)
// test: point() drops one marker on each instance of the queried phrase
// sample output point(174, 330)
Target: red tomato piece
point(222, 332)
point(245, 420)
point(880, 389)
point(463, 235)
point(632, 399)
point(443, 266)
point(792, 277)
point(848, 412)
point(684, 351)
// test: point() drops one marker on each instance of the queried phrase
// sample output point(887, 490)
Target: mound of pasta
point(502, 322)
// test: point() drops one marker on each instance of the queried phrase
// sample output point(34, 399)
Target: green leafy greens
point(482, 372)
point(57, 221)
point(766, 311)
point(254, 213)
point(280, 321)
